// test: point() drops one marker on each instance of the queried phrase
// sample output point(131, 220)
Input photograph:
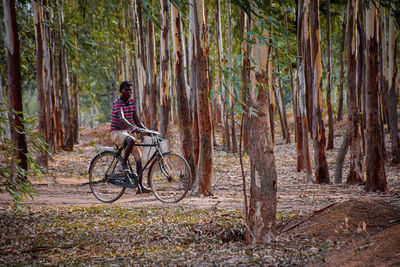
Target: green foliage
point(17, 184)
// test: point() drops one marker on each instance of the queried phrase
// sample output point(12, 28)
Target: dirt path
point(61, 186)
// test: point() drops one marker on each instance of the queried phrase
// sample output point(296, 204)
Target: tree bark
point(321, 168)
point(164, 58)
point(205, 162)
point(152, 56)
point(15, 114)
point(340, 157)
point(181, 96)
point(375, 167)
point(393, 98)
point(355, 173)
point(342, 57)
point(68, 144)
point(42, 158)
point(328, 77)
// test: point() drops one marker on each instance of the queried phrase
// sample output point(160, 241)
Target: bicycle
point(169, 173)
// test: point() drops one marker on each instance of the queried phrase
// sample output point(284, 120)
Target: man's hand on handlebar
point(136, 130)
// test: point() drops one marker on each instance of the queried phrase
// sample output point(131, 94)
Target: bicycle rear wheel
point(170, 178)
point(103, 168)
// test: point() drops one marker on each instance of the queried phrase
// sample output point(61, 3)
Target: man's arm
point(122, 118)
point(137, 121)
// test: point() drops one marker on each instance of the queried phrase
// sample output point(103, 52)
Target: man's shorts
point(118, 137)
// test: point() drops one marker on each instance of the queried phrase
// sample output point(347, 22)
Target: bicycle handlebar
point(149, 131)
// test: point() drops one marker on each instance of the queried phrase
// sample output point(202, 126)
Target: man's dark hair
point(123, 84)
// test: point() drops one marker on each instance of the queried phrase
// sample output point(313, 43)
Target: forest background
point(221, 68)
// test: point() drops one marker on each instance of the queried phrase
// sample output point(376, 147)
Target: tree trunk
point(193, 43)
point(361, 73)
point(68, 144)
point(302, 31)
point(375, 167)
point(393, 98)
point(42, 158)
point(292, 89)
point(152, 56)
point(205, 162)
point(230, 87)
point(342, 58)
point(355, 172)
point(328, 77)
point(340, 157)
point(15, 114)
point(321, 168)
point(181, 97)
point(164, 84)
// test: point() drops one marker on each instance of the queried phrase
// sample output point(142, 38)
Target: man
point(123, 115)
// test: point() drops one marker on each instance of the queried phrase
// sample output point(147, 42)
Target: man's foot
point(124, 168)
point(142, 190)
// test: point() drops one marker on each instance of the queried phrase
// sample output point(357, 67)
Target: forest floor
point(332, 225)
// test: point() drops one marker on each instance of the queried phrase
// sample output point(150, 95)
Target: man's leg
point(129, 142)
point(138, 159)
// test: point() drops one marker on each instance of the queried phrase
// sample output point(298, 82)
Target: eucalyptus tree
point(203, 179)
point(328, 76)
point(355, 173)
point(15, 113)
point(182, 100)
point(164, 69)
point(303, 154)
point(392, 70)
point(375, 167)
point(40, 80)
point(321, 168)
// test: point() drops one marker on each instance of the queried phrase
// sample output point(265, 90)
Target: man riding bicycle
point(123, 115)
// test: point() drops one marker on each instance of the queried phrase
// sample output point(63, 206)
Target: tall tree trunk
point(292, 89)
point(341, 82)
point(262, 209)
point(321, 168)
point(75, 93)
point(383, 81)
point(181, 96)
point(193, 43)
point(285, 127)
point(226, 98)
point(355, 173)
point(152, 56)
point(205, 162)
point(143, 70)
point(65, 88)
point(375, 167)
point(302, 31)
point(245, 74)
point(164, 57)
point(15, 114)
point(328, 76)
point(261, 217)
point(393, 98)
point(230, 87)
point(361, 72)
point(42, 158)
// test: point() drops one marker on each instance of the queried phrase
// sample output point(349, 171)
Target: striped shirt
point(128, 108)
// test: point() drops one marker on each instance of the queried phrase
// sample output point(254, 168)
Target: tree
point(262, 208)
point(392, 71)
point(181, 96)
point(321, 168)
point(355, 173)
point(375, 167)
point(303, 154)
point(40, 80)
point(15, 114)
point(328, 76)
point(203, 179)
point(164, 57)
point(152, 56)
point(341, 82)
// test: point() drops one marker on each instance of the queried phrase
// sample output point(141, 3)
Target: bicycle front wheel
point(103, 168)
point(170, 178)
